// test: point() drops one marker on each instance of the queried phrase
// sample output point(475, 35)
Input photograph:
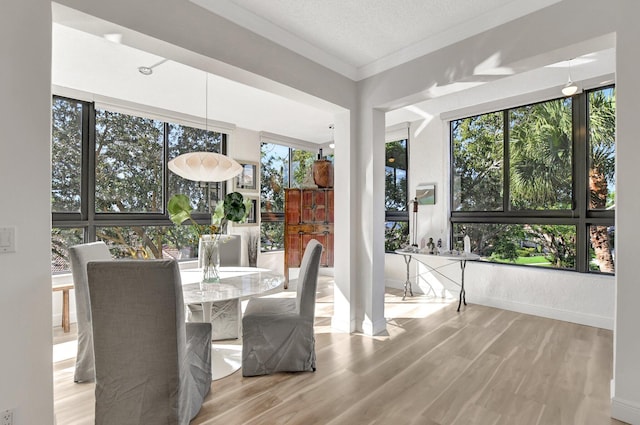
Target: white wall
point(25, 282)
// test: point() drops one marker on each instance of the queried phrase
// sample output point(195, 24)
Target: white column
point(26, 374)
point(346, 220)
point(370, 229)
point(626, 389)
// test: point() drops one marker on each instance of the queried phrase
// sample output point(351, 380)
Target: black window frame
point(579, 215)
point(392, 216)
point(88, 219)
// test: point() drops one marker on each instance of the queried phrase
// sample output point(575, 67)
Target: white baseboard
point(625, 411)
point(536, 310)
point(548, 312)
point(374, 328)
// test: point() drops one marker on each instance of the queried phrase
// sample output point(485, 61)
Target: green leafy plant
point(234, 208)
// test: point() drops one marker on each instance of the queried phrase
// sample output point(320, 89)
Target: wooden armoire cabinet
point(308, 214)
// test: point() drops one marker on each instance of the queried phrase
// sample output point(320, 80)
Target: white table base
point(225, 360)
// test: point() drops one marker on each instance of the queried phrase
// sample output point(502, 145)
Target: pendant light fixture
point(206, 167)
point(332, 144)
point(570, 88)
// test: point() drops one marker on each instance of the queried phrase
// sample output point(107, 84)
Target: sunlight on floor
point(65, 350)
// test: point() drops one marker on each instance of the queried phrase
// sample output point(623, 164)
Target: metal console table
point(461, 257)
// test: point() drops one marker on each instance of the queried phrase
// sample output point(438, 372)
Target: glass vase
point(210, 253)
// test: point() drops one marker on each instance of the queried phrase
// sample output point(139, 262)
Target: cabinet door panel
point(294, 250)
point(320, 237)
point(292, 206)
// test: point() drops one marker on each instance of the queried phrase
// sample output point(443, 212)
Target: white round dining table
point(235, 283)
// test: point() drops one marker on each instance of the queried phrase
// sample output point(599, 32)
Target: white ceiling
point(358, 36)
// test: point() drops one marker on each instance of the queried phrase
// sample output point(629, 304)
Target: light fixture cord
point(570, 71)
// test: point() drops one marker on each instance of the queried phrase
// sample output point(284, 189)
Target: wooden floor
point(435, 367)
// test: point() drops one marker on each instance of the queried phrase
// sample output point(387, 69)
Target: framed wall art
point(426, 193)
point(247, 180)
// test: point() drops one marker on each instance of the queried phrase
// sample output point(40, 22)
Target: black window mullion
point(580, 176)
point(506, 167)
point(89, 172)
point(165, 171)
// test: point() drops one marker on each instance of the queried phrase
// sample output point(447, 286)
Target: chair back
point(139, 339)
point(79, 256)
point(308, 279)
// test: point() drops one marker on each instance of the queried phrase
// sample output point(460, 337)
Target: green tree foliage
point(396, 194)
point(396, 191)
point(540, 156)
point(302, 165)
point(602, 126)
point(540, 176)
point(478, 163)
point(396, 235)
point(66, 155)
point(129, 176)
point(274, 178)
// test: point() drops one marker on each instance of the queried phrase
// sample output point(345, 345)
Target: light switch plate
point(7, 239)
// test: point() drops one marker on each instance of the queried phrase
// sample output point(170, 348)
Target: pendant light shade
point(205, 167)
point(570, 89)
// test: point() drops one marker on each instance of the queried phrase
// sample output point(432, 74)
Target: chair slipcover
point(225, 315)
point(80, 255)
point(151, 366)
point(278, 332)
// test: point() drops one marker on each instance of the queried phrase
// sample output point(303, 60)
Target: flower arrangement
point(233, 208)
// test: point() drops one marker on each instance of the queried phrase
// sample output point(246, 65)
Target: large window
point(281, 167)
point(396, 215)
point(110, 182)
point(535, 185)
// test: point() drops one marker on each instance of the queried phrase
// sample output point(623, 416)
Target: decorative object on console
point(414, 242)
point(431, 247)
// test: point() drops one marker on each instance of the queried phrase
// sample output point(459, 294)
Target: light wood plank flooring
point(435, 367)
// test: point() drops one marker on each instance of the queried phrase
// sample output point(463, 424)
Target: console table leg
point(407, 283)
point(463, 295)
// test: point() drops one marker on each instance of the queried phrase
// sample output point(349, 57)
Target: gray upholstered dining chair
point(277, 333)
point(80, 255)
point(225, 315)
point(151, 366)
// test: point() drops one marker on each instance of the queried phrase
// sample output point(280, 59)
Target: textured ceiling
point(366, 36)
